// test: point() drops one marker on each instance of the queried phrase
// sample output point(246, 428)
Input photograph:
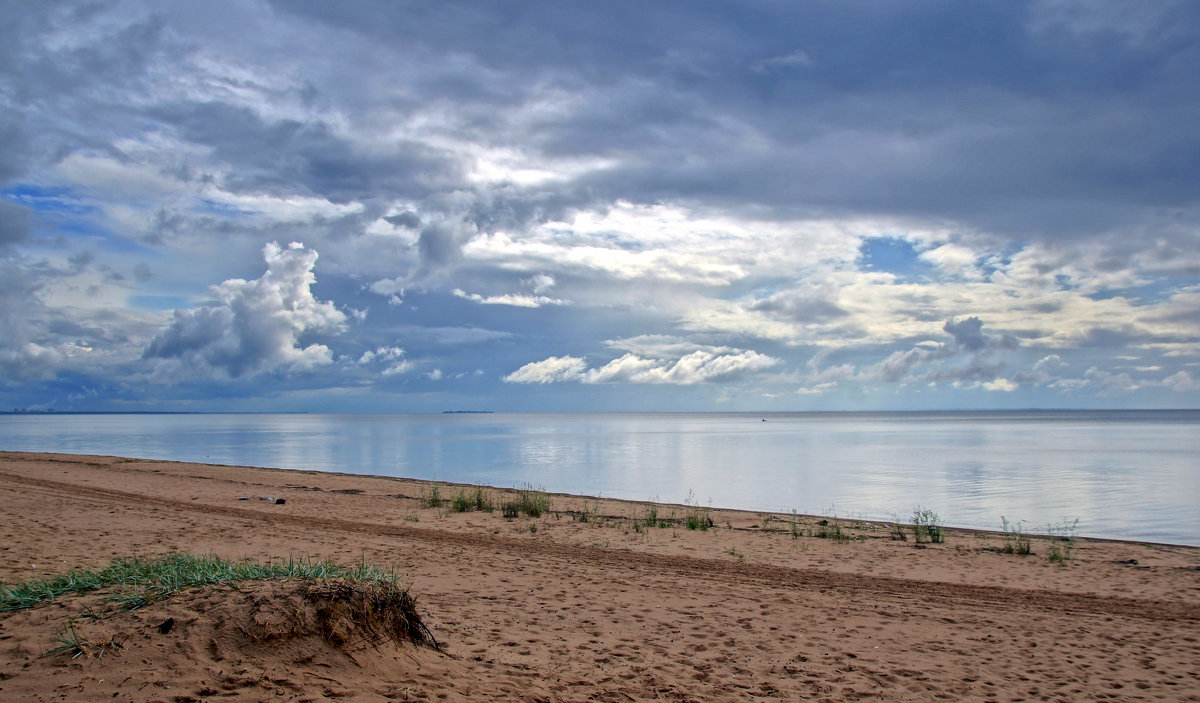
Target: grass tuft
point(1016, 540)
point(831, 528)
point(793, 522)
point(927, 526)
point(433, 498)
point(475, 499)
point(696, 517)
point(1062, 541)
point(529, 500)
point(589, 514)
point(380, 610)
point(652, 518)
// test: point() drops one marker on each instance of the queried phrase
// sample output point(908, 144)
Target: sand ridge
point(581, 605)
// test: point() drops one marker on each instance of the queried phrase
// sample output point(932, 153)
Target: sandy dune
point(583, 603)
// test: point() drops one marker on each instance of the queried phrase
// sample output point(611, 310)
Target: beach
point(592, 600)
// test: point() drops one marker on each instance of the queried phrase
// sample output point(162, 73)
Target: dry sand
point(577, 604)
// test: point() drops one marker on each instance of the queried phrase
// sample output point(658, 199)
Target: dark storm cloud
point(1003, 115)
point(407, 219)
point(932, 108)
point(287, 155)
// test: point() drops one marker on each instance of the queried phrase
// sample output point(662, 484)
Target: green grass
point(927, 526)
point(831, 528)
point(137, 581)
point(794, 523)
point(529, 500)
point(694, 516)
point(1062, 541)
point(652, 518)
point(433, 498)
point(1016, 540)
point(475, 499)
point(589, 514)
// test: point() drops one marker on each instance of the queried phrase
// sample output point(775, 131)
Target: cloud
point(1001, 384)
point(540, 282)
point(519, 301)
point(1106, 384)
point(971, 358)
point(407, 219)
point(551, 370)
point(28, 360)
point(1182, 382)
point(969, 336)
point(15, 224)
point(801, 179)
point(392, 358)
point(700, 366)
point(662, 346)
point(795, 60)
point(696, 367)
point(801, 306)
point(25, 351)
point(252, 327)
point(380, 354)
point(398, 368)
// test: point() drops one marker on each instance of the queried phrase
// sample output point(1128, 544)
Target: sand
point(579, 604)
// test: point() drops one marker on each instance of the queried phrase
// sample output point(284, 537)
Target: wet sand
point(582, 603)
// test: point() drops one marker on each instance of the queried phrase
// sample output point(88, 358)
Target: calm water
point(1129, 475)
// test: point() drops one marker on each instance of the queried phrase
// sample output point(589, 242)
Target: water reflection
point(1132, 475)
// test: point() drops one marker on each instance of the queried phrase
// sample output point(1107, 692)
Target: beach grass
point(138, 581)
point(529, 500)
point(589, 514)
point(927, 526)
point(475, 499)
point(696, 517)
point(1016, 540)
point(432, 498)
point(653, 517)
point(831, 528)
point(793, 524)
point(1062, 541)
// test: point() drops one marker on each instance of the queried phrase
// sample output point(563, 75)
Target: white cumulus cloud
point(252, 327)
point(551, 370)
point(517, 300)
point(701, 366)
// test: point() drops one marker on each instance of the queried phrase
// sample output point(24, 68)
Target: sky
point(617, 206)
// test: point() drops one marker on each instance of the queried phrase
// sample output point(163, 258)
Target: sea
point(1131, 475)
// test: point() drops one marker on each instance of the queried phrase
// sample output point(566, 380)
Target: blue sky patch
point(44, 199)
point(895, 256)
